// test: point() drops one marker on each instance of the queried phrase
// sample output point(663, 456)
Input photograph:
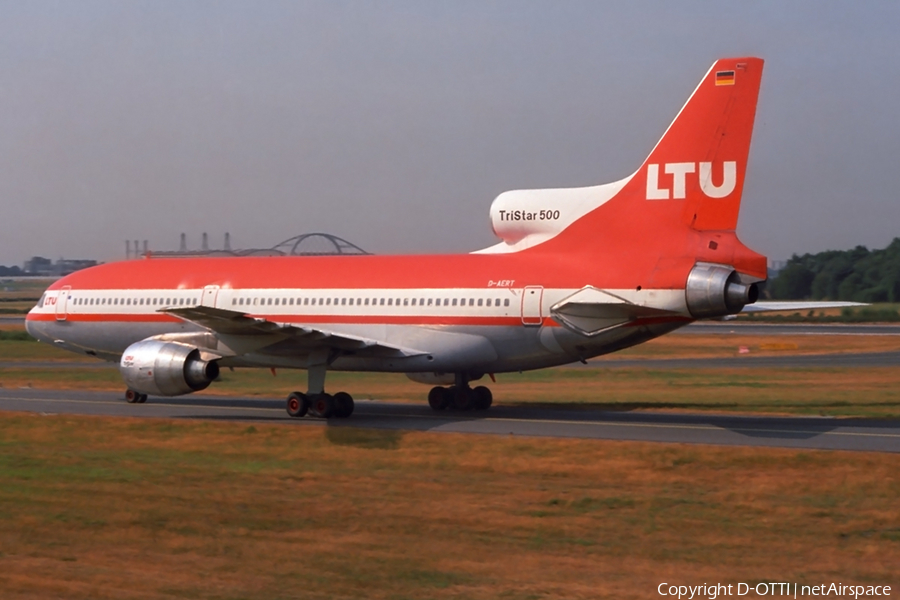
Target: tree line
point(859, 275)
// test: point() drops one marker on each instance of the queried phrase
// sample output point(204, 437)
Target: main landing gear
point(133, 397)
point(315, 401)
point(321, 405)
point(460, 396)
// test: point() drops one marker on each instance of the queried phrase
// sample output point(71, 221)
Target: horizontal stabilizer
point(800, 305)
point(591, 311)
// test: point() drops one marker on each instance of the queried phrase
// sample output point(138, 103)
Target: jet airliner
point(577, 273)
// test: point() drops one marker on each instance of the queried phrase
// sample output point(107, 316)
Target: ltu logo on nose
point(679, 173)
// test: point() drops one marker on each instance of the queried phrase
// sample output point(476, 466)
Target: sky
point(395, 124)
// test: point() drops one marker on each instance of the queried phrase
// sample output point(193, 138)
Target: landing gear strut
point(460, 396)
point(315, 401)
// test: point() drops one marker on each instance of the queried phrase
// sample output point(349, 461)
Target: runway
point(833, 360)
point(745, 328)
point(716, 429)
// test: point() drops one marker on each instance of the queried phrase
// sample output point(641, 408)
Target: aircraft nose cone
point(34, 329)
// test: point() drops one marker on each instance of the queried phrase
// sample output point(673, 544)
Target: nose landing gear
point(134, 397)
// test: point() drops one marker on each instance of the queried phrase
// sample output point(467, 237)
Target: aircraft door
point(531, 305)
point(210, 294)
point(62, 303)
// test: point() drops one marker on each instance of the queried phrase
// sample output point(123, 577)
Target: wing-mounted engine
point(166, 368)
point(714, 290)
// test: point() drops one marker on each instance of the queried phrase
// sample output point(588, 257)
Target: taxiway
point(729, 430)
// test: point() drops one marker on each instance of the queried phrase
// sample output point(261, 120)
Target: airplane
point(577, 273)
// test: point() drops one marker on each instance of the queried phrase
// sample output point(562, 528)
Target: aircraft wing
point(767, 306)
point(231, 324)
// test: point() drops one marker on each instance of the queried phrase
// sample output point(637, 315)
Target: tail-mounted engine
point(166, 368)
point(716, 291)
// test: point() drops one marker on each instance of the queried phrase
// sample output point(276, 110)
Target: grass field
point(115, 508)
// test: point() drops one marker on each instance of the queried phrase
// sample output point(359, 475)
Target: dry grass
point(105, 508)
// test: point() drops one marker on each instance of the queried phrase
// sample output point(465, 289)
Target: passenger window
point(381, 302)
point(471, 301)
point(429, 301)
point(480, 301)
point(390, 301)
point(292, 301)
point(454, 302)
point(406, 301)
point(367, 301)
point(343, 301)
point(506, 302)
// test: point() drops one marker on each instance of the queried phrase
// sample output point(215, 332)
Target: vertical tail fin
point(702, 157)
point(682, 202)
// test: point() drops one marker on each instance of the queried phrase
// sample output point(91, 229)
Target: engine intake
point(166, 368)
point(716, 291)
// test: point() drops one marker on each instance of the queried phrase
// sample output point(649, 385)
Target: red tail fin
point(682, 204)
point(702, 157)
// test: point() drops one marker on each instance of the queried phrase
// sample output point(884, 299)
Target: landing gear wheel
point(343, 405)
point(323, 406)
point(438, 399)
point(463, 398)
point(297, 404)
point(133, 397)
point(142, 399)
point(483, 398)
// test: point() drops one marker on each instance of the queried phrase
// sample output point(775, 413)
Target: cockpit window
point(40, 303)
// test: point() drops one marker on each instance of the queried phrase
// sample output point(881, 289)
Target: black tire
point(438, 398)
point(132, 397)
point(463, 398)
point(142, 399)
point(323, 405)
point(483, 398)
point(343, 405)
point(297, 404)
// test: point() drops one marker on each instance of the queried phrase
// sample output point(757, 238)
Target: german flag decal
point(724, 77)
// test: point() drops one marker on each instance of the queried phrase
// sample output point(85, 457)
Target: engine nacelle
point(166, 368)
point(716, 291)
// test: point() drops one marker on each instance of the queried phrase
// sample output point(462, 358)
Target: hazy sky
point(395, 124)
